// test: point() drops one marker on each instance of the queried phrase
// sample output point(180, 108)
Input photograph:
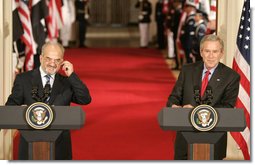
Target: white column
point(228, 18)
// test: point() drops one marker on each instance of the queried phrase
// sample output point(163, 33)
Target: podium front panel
point(65, 117)
point(178, 119)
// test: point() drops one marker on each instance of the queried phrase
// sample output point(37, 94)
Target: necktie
point(47, 79)
point(205, 82)
point(47, 89)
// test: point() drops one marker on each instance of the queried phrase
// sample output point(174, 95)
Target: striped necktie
point(47, 79)
point(47, 89)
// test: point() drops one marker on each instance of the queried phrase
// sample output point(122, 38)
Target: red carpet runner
point(129, 87)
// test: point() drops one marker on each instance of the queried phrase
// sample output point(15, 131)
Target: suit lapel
point(37, 81)
point(216, 78)
point(197, 75)
point(55, 89)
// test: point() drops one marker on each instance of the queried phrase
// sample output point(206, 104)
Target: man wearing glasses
point(63, 91)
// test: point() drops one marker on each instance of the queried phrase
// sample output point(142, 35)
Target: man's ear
point(41, 56)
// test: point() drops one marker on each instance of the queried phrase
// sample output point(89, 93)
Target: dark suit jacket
point(64, 91)
point(144, 6)
point(225, 86)
point(187, 35)
point(80, 10)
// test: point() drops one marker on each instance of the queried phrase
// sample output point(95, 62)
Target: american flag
point(27, 37)
point(213, 8)
point(16, 23)
point(54, 20)
point(241, 64)
point(180, 52)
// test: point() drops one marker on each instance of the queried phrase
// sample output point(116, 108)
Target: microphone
point(209, 95)
point(46, 92)
point(34, 93)
point(197, 95)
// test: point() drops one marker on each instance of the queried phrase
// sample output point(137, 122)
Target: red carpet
point(129, 87)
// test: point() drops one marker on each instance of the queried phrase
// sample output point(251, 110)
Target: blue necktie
point(47, 88)
point(47, 79)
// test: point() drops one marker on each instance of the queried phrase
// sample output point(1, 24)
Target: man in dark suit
point(172, 23)
point(145, 11)
point(188, 28)
point(223, 81)
point(160, 17)
point(201, 19)
point(64, 90)
point(82, 16)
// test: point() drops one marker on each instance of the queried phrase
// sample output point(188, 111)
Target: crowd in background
point(181, 24)
point(38, 21)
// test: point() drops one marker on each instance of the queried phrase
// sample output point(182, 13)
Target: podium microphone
point(46, 92)
point(34, 93)
point(197, 95)
point(209, 95)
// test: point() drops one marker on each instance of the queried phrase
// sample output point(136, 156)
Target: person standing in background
point(82, 16)
point(160, 17)
point(145, 11)
point(68, 13)
point(171, 24)
point(201, 19)
point(188, 29)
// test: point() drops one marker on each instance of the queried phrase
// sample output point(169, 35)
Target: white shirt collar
point(43, 74)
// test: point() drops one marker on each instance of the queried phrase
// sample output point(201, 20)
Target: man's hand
point(188, 106)
point(67, 67)
point(176, 106)
point(185, 106)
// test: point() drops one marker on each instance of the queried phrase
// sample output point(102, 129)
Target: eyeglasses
point(56, 61)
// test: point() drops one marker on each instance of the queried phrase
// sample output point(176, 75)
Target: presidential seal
point(204, 117)
point(39, 115)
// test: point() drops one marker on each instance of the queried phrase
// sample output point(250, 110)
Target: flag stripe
point(27, 37)
point(246, 112)
point(54, 19)
point(241, 64)
point(29, 61)
point(181, 52)
point(244, 80)
point(242, 144)
point(16, 22)
point(213, 8)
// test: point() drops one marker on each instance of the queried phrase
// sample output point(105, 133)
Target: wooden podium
point(201, 144)
point(42, 142)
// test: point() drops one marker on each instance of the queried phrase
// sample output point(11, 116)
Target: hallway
point(113, 36)
point(119, 37)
